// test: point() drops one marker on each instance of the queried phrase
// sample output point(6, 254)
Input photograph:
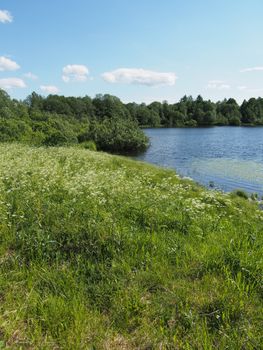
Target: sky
point(138, 50)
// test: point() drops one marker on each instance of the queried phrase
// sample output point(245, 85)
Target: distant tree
point(230, 110)
point(143, 114)
point(56, 104)
point(252, 111)
point(107, 106)
point(34, 101)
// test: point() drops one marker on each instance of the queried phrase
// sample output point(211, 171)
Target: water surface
point(225, 157)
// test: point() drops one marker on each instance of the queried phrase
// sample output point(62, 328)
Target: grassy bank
point(101, 252)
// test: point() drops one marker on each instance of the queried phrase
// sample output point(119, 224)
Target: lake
point(226, 158)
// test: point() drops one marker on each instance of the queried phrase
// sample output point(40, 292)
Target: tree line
point(198, 112)
point(108, 124)
point(102, 123)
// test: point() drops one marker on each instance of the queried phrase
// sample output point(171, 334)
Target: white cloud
point(31, 76)
point(218, 85)
point(242, 87)
point(49, 89)
point(257, 90)
point(7, 64)
point(9, 83)
point(252, 69)
point(139, 76)
point(249, 89)
point(5, 16)
point(75, 72)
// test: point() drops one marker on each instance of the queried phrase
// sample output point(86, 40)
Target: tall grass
point(101, 252)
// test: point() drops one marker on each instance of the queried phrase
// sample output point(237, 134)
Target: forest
point(190, 112)
point(105, 123)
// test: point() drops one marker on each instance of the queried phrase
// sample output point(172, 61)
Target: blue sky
point(139, 50)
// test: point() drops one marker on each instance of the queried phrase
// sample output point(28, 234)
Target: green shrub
point(241, 193)
point(117, 135)
point(90, 145)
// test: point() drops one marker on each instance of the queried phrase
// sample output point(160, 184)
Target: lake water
point(227, 158)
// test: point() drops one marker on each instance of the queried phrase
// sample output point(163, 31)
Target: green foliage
point(13, 130)
point(118, 135)
point(58, 120)
point(102, 252)
point(240, 193)
point(90, 145)
point(198, 112)
point(109, 123)
point(234, 121)
point(191, 123)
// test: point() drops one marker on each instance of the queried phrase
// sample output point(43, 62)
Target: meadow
point(102, 252)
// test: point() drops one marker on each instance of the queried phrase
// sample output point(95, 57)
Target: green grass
point(102, 252)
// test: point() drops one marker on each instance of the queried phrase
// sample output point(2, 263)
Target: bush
point(240, 193)
point(191, 123)
point(119, 136)
point(90, 145)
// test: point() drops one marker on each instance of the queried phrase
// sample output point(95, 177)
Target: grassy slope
point(100, 252)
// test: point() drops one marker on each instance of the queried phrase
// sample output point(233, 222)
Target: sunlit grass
point(101, 252)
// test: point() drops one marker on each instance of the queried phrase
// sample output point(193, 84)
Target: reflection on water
point(229, 157)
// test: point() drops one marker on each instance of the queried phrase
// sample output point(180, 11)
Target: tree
point(34, 101)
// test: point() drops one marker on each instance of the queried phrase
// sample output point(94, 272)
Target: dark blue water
point(227, 158)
